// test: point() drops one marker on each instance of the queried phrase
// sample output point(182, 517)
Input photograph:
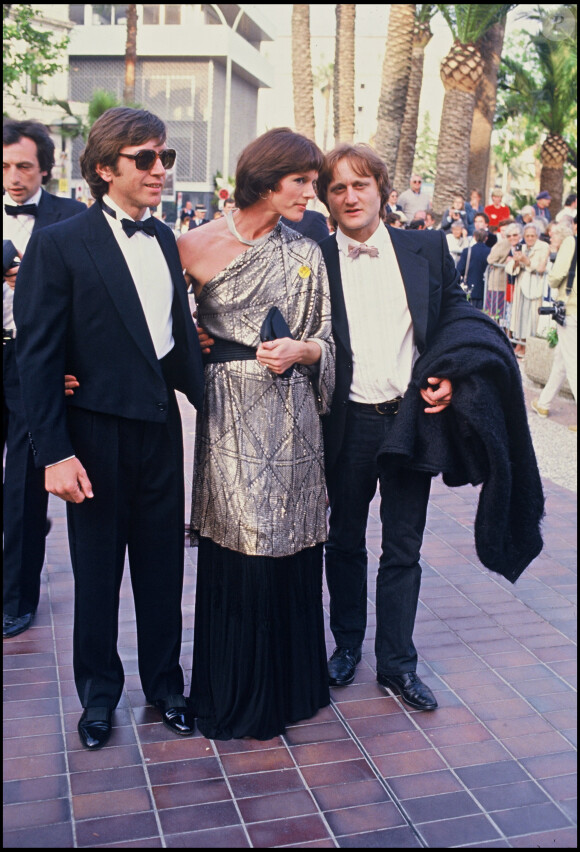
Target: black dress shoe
point(15, 624)
point(342, 666)
point(95, 727)
point(411, 688)
point(177, 715)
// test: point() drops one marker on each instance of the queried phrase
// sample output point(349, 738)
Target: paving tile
point(178, 820)
point(257, 761)
point(504, 796)
point(443, 806)
point(337, 773)
point(231, 837)
point(57, 836)
point(540, 817)
point(37, 766)
point(564, 838)
point(301, 829)
point(262, 783)
point(35, 789)
point(349, 794)
point(364, 818)
point(401, 837)
point(458, 832)
point(36, 813)
point(173, 772)
point(490, 774)
point(191, 793)
point(562, 787)
point(278, 806)
point(537, 744)
point(409, 764)
point(550, 765)
point(115, 830)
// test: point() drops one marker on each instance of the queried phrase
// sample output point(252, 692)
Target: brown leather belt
point(391, 406)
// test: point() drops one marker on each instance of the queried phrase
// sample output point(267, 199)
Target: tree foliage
point(28, 51)
point(468, 21)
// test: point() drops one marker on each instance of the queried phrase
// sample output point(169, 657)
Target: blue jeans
point(403, 509)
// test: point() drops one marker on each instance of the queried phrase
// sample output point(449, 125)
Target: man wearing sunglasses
point(105, 298)
point(414, 199)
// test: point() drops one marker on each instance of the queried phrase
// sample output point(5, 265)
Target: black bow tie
point(19, 209)
point(131, 227)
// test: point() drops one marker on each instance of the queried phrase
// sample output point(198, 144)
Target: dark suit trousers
point(403, 509)
point(25, 501)
point(136, 470)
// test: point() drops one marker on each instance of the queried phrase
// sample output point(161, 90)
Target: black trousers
point(403, 509)
point(25, 501)
point(136, 470)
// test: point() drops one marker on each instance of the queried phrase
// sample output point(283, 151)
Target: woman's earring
point(266, 196)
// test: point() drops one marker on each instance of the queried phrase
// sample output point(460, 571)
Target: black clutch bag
point(273, 328)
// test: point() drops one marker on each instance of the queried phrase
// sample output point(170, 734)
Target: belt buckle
point(390, 407)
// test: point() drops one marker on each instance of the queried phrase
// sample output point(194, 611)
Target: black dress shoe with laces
point(95, 727)
point(177, 715)
point(411, 688)
point(15, 624)
point(342, 666)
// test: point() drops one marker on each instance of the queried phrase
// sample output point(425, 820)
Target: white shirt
point(379, 320)
point(18, 229)
point(151, 277)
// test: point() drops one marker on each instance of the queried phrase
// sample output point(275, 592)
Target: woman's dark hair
point(113, 130)
point(273, 155)
point(14, 130)
point(364, 161)
point(480, 236)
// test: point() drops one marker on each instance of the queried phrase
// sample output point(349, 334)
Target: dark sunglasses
point(145, 160)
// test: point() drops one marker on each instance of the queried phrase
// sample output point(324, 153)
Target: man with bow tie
point(389, 291)
point(28, 158)
point(104, 295)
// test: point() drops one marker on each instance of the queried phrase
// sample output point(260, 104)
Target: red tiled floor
point(493, 766)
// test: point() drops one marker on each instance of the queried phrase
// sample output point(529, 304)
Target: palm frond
point(469, 21)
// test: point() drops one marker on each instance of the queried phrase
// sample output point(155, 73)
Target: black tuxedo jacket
point(52, 209)
point(77, 311)
point(194, 224)
point(312, 225)
point(432, 288)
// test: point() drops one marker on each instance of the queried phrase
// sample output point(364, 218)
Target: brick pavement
point(494, 766)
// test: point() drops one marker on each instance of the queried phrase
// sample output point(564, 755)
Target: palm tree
point(323, 80)
point(302, 70)
point(461, 70)
point(344, 73)
point(548, 89)
point(421, 37)
point(130, 55)
point(490, 46)
point(395, 82)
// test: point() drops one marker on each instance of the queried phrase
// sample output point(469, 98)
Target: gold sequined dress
point(259, 500)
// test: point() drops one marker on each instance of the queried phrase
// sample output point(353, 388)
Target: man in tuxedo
point(28, 153)
point(103, 295)
point(199, 217)
point(390, 290)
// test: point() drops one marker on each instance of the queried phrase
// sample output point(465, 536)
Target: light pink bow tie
point(354, 251)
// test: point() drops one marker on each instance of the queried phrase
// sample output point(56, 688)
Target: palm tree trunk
point(408, 139)
point(490, 46)
point(130, 55)
point(395, 82)
point(344, 73)
point(553, 155)
point(302, 71)
point(453, 148)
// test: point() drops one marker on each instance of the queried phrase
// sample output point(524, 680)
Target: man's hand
point(70, 382)
point(10, 276)
point(205, 341)
point(68, 480)
point(438, 396)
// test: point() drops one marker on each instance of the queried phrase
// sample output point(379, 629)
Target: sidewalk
point(494, 766)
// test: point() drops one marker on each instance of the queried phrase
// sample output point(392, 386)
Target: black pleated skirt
point(259, 656)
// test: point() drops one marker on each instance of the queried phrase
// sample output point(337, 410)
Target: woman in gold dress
point(259, 502)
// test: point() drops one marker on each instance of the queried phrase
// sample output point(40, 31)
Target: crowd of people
point(330, 357)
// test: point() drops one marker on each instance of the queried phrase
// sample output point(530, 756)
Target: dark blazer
point(74, 276)
point(477, 268)
point(313, 225)
point(431, 285)
point(52, 209)
point(194, 224)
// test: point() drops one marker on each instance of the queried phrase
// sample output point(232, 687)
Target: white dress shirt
point(18, 229)
point(379, 320)
point(150, 274)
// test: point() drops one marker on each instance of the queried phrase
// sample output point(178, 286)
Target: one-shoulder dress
point(259, 500)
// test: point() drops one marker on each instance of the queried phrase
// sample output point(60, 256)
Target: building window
point(172, 14)
point(151, 14)
point(76, 13)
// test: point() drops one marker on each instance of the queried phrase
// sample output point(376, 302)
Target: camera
point(519, 247)
point(557, 310)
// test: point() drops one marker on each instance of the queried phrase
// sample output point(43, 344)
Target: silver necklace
point(234, 231)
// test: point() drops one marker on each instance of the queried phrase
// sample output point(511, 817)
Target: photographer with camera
point(455, 213)
point(562, 279)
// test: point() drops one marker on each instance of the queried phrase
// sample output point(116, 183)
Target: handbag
point(273, 328)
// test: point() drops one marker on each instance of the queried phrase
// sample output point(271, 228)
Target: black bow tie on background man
point(20, 209)
point(131, 227)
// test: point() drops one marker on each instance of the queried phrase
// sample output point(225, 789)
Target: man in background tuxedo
point(28, 156)
point(104, 295)
point(390, 290)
